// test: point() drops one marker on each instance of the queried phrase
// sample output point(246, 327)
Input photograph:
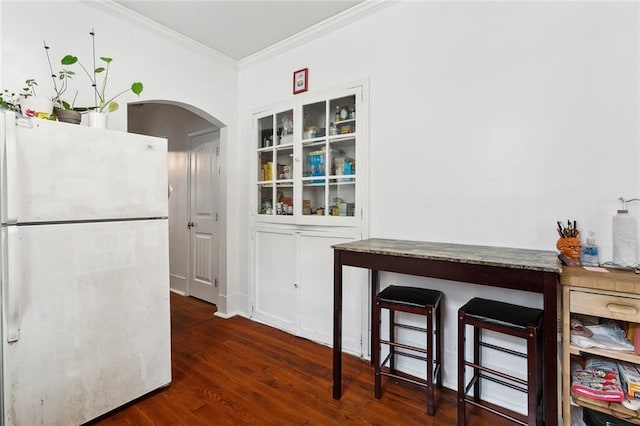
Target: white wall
point(170, 68)
point(489, 121)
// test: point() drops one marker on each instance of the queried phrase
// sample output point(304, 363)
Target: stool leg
point(375, 344)
point(439, 348)
point(540, 368)
point(477, 334)
point(532, 377)
point(461, 381)
point(429, 339)
point(392, 338)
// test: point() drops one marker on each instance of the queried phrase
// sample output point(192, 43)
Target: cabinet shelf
point(313, 142)
point(627, 356)
point(350, 120)
point(284, 146)
point(612, 408)
point(349, 137)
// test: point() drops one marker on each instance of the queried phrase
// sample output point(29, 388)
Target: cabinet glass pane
point(265, 131)
point(284, 199)
point(314, 117)
point(314, 198)
point(265, 165)
point(284, 122)
point(265, 199)
point(343, 121)
point(342, 197)
point(284, 163)
point(314, 157)
point(342, 157)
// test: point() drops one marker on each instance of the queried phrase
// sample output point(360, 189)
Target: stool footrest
point(410, 327)
point(496, 411)
point(496, 373)
point(403, 346)
point(501, 349)
point(503, 382)
point(414, 380)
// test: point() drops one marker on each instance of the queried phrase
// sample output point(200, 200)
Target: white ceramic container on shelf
point(98, 119)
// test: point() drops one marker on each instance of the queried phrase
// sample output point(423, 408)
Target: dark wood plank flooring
point(239, 372)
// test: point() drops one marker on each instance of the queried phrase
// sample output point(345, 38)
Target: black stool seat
point(505, 313)
point(418, 297)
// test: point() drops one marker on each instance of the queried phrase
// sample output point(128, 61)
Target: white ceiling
point(238, 28)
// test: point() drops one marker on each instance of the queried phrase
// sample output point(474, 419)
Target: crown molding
point(327, 26)
point(333, 23)
point(135, 18)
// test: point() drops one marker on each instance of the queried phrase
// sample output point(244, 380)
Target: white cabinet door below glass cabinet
point(274, 300)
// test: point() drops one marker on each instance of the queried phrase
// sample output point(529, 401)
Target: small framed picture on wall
point(300, 80)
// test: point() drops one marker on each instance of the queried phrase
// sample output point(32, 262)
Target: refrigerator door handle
point(11, 156)
point(11, 259)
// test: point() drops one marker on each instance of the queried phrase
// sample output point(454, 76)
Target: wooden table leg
point(337, 325)
point(550, 378)
point(375, 287)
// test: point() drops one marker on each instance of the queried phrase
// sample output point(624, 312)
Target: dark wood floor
point(239, 372)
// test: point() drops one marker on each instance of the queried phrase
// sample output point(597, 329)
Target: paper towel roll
point(625, 239)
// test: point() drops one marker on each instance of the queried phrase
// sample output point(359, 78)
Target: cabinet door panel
point(274, 278)
point(316, 293)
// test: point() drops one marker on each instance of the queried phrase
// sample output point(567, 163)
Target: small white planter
point(98, 119)
point(34, 106)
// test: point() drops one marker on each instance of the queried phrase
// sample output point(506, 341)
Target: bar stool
point(416, 301)
point(512, 320)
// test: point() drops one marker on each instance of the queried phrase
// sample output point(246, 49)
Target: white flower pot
point(98, 119)
point(34, 106)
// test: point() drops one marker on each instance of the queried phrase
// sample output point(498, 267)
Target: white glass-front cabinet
point(309, 156)
point(311, 178)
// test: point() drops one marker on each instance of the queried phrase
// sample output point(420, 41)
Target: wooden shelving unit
point(612, 294)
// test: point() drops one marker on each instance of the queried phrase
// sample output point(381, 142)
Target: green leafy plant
point(11, 101)
point(104, 103)
point(29, 88)
point(63, 76)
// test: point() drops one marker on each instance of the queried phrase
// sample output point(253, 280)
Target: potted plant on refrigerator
point(104, 103)
point(33, 105)
point(64, 110)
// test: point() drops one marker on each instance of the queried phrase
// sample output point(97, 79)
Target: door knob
point(190, 225)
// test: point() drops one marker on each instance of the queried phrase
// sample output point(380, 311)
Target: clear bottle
point(590, 252)
point(337, 117)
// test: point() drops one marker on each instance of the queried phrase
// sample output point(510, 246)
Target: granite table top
point(517, 258)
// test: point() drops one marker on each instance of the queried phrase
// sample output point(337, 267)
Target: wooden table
point(520, 269)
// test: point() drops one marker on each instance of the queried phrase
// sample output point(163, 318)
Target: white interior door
point(203, 224)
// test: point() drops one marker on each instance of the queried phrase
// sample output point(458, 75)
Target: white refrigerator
point(84, 270)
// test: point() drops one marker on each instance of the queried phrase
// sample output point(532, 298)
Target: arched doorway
point(196, 201)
